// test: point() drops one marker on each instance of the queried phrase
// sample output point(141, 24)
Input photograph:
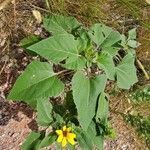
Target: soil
point(16, 118)
point(16, 121)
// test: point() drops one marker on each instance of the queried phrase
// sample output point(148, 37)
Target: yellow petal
point(72, 141)
point(64, 142)
point(60, 138)
point(59, 132)
point(64, 128)
point(71, 136)
point(69, 129)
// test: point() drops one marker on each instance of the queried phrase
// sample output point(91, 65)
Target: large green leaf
point(58, 24)
point(47, 141)
point(105, 61)
point(89, 139)
point(102, 110)
point(83, 139)
point(58, 48)
point(30, 142)
point(44, 112)
point(132, 34)
point(85, 94)
point(75, 63)
point(97, 140)
point(37, 81)
point(36, 141)
point(113, 51)
point(104, 36)
point(126, 72)
point(84, 42)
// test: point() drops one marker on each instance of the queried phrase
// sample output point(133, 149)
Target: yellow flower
point(65, 135)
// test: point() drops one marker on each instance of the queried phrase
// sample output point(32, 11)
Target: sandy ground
point(16, 121)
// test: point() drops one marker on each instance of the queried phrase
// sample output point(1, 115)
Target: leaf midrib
point(106, 38)
point(35, 84)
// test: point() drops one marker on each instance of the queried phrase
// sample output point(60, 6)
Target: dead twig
point(14, 11)
point(3, 67)
point(38, 8)
point(143, 69)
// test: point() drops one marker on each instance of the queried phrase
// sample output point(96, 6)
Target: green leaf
point(89, 139)
point(102, 110)
point(58, 48)
point(132, 34)
point(59, 120)
point(71, 147)
point(37, 81)
point(44, 111)
point(126, 72)
point(98, 140)
point(58, 24)
point(133, 43)
point(87, 97)
point(123, 41)
point(130, 41)
point(36, 141)
point(30, 141)
point(105, 61)
point(84, 41)
point(104, 36)
point(113, 51)
point(83, 139)
point(75, 63)
point(47, 140)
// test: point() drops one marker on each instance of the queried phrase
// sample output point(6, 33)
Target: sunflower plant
point(66, 84)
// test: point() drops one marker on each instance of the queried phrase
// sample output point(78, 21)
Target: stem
point(47, 4)
point(143, 69)
point(64, 71)
point(39, 8)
